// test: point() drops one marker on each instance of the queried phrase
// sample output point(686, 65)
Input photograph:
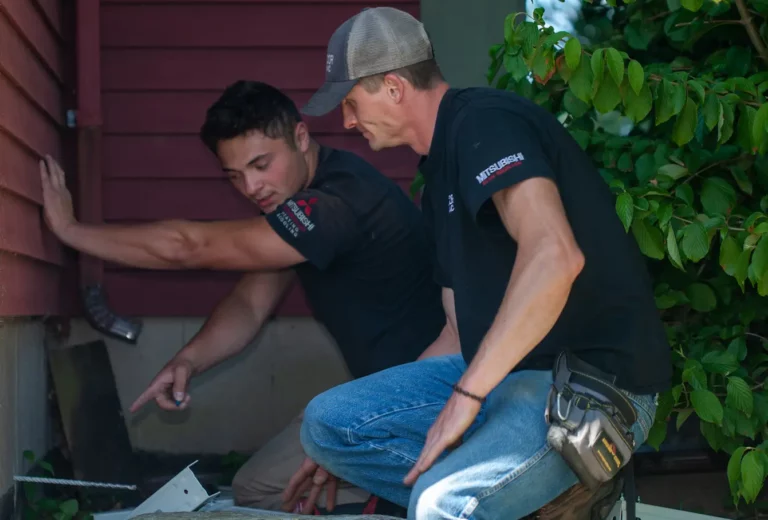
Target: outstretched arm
point(249, 245)
point(231, 326)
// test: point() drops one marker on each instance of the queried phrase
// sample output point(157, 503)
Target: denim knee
point(322, 426)
point(435, 501)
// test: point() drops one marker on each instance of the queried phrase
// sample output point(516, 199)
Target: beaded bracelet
point(460, 390)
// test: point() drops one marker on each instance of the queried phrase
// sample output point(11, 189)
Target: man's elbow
point(565, 261)
point(182, 249)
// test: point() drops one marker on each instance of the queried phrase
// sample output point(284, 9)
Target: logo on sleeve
point(499, 167)
point(294, 215)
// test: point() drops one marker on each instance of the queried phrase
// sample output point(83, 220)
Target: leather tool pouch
point(590, 421)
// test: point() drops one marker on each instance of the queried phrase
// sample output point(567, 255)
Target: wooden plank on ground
point(92, 415)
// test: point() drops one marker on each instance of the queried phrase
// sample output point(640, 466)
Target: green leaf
point(699, 89)
point(47, 467)
point(738, 347)
point(682, 416)
point(636, 76)
point(713, 434)
point(739, 395)
point(742, 267)
point(671, 100)
point(725, 125)
point(685, 125)
point(717, 196)
point(574, 105)
point(720, 362)
point(581, 82)
point(713, 111)
point(649, 239)
point(664, 214)
point(759, 124)
point(598, 64)
point(695, 242)
point(29, 455)
point(729, 255)
point(572, 53)
point(702, 297)
point(529, 33)
point(657, 434)
point(607, 97)
point(747, 116)
point(692, 5)
point(673, 5)
point(638, 106)
point(509, 29)
point(543, 62)
point(625, 208)
point(761, 408)
point(684, 192)
point(734, 469)
point(694, 375)
point(740, 176)
point(707, 406)
point(674, 171)
point(639, 34)
point(552, 39)
point(516, 66)
point(615, 64)
point(752, 476)
point(70, 507)
point(760, 259)
point(672, 249)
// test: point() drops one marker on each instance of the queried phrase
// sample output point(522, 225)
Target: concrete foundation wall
point(237, 405)
point(24, 412)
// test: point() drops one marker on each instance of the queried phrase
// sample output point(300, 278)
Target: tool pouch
point(589, 420)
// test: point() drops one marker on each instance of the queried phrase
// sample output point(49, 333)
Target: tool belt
point(590, 421)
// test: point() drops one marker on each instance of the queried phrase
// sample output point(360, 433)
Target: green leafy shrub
point(668, 98)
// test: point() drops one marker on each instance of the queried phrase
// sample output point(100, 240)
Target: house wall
point(24, 411)
point(156, 83)
point(163, 64)
point(32, 107)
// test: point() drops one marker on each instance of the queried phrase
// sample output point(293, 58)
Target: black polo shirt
point(368, 272)
point(486, 140)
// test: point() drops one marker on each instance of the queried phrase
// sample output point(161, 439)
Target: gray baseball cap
point(374, 41)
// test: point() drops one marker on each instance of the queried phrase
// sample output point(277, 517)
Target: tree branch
point(756, 336)
point(746, 19)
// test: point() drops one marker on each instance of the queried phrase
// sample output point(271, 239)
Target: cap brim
point(328, 97)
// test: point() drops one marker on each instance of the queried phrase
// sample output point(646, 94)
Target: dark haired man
point(529, 242)
point(352, 237)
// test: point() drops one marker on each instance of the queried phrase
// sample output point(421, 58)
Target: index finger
point(149, 394)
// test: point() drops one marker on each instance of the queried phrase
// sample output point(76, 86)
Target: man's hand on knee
point(310, 477)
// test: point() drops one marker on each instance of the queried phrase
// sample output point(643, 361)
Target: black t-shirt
point(368, 272)
point(486, 140)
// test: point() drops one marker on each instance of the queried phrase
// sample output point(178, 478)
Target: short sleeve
point(319, 225)
point(439, 272)
point(496, 149)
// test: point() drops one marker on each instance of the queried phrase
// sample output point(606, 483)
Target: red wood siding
point(163, 63)
point(31, 124)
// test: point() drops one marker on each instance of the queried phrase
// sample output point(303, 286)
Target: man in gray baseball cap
point(535, 267)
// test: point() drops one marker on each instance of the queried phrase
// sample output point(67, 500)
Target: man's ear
point(394, 87)
point(301, 136)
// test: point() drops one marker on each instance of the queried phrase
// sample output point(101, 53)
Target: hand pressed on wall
point(57, 201)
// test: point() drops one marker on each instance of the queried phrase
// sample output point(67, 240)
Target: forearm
point(536, 295)
point(237, 319)
point(159, 245)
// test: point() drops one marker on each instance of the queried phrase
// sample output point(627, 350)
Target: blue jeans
point(370, 432)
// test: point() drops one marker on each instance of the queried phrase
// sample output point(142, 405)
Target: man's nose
point(252, 185)
point(349, 117)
